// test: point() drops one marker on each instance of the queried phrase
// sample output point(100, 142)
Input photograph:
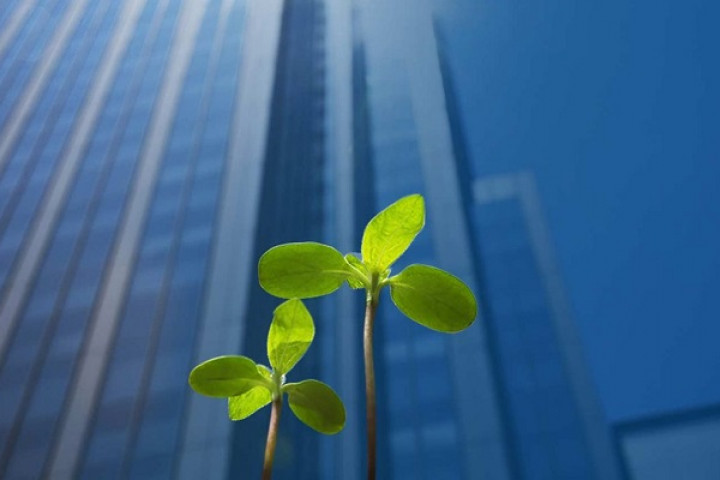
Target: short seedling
point(249, 386)
point(427, 295)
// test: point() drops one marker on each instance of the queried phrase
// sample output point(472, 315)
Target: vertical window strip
point(12, 23)
point(386, 159)
point(292, 175)
point(39, 159)
point(206, 431)
point(396, 149)
point(18, 311)
point(534, 396)
point(146, 39)
point(46, 219)
point(14, 73)
point(33, 22)
point(26, 94)
point(160, 322)
point(40, 361)
point(109, 307)
point(6, 10)
point(68, 80)
point(11, 56)
point(232, 45)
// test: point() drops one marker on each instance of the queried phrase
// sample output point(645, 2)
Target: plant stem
point(272, 437)
point(370, 309)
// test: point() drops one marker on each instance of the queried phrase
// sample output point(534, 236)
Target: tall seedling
point(249, 386)
point(425, 294)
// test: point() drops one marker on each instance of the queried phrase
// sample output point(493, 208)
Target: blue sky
point(615, 106)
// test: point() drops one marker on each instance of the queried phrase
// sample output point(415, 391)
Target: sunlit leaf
point(361, 270)
point(265, 371)
point(302, 270)
point(225, 376)
point(391, 232)
point(242, 406)
point(434, 298)
point(316, 405)
point(291, 333)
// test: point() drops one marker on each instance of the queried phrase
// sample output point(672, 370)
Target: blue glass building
point(672, 445)
point(151, 150)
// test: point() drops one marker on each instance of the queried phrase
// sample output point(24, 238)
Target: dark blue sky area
point(615, 106)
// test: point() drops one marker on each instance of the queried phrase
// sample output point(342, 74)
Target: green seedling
point(249, 386)
point(425, 294)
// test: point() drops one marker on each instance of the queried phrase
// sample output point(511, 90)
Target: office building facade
point(677, 444)
point(151, 150)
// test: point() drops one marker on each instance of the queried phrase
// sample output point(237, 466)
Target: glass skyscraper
point(151, 150)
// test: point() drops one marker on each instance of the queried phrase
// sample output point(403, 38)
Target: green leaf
point(265, 372)
point(434, 298)
point(316, 405)
point(302, 270)
point(360, 271)
point(225, 376)
point(291, 333)
point(391, 232)
point(242, 406)
point(355, 284)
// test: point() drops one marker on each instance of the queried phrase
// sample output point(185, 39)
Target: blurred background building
point(151, 150)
